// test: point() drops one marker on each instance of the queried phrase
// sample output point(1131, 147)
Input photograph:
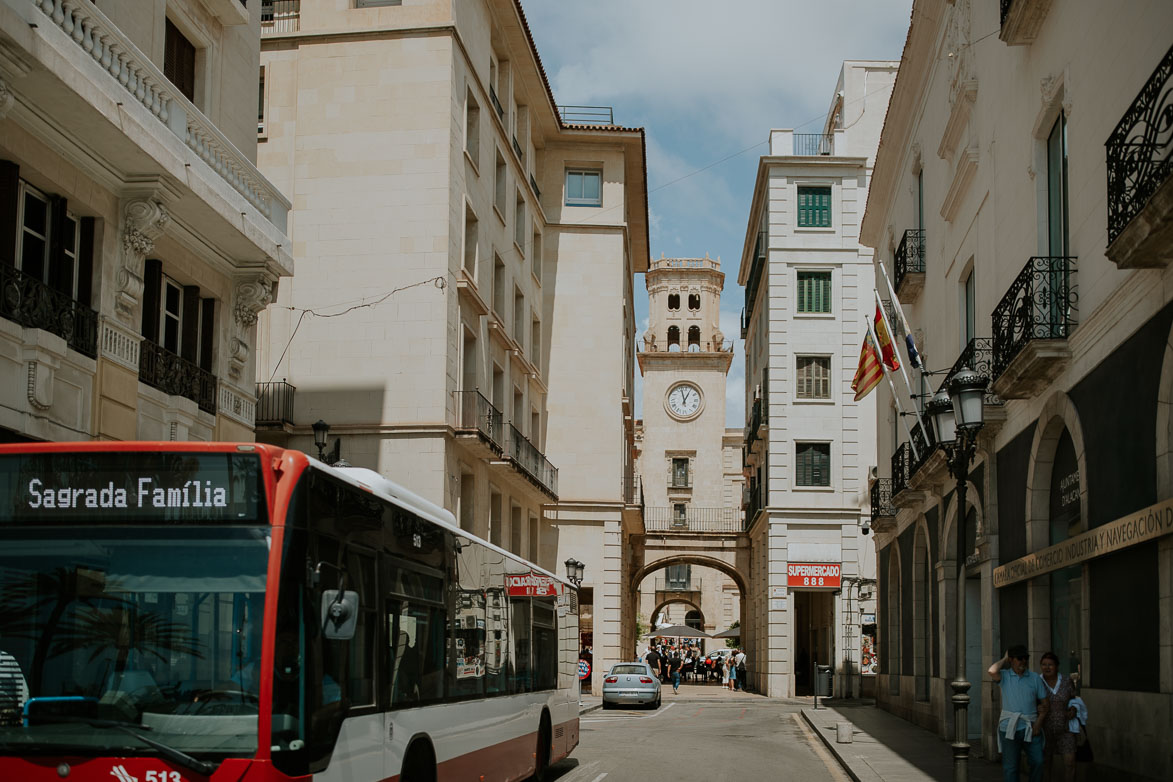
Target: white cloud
point(735, 382)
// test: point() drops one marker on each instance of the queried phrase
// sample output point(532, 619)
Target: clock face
point(684, 400)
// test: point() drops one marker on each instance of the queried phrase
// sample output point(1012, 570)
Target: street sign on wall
point(813, 574)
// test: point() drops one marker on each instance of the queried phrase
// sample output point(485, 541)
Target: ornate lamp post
point(321, 433)
point(956, 416)
point(574, 571)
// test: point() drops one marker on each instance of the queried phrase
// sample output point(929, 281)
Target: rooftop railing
point(587, 115)
point(814, 144)
point(280, 16)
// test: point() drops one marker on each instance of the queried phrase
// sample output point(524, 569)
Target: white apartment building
point(1021, 206)
point(138, 241)
point(808, 445)
point(467, 249)
point(689, 463)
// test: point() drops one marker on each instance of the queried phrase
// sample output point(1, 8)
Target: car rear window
point(629, 669)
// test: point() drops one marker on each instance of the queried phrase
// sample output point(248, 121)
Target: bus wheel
point(420, 764)
point(542, 756)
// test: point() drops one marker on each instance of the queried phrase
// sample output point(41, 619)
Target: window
point(584, 187)
point(679, 577)
point(50, 245)
point(673, 302)
point(472, 129)
point(679, 475)
point(179, 61)
point(176, 318)
point(968, 309)
point(814, 207)
point(1057, 240)
point(499, 186)
point(536, 256)
point(694, 339)
point(673, 338)
point(679, 514)
point(813, 464)
point(519, 316)
point(375, 3)
point(814, 292)
point(814, 377)
point(470, 241)
point(498, 286)
point(261, 104)
point(694, 302)
point(535, 340)
point(532, 552)
point(519, 224)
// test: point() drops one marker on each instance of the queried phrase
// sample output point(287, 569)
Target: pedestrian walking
point(739, 657)
point(732, 671)
point(1024, 711)
point(1060, 741)
point(674, 669)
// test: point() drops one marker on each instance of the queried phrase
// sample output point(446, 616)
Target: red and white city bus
point(193, 611)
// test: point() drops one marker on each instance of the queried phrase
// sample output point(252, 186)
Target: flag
point(886, 350)
point(913, 353)
point(869, 372)
point(914, 356)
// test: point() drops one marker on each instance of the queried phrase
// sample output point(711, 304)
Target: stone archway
point(661, 605)
point(687, 558)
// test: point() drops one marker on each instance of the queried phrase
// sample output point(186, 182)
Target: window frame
point(583, 200)
point(472, 130)
point(800, 210)
point(830, 293)
point(799, 446)
point(799, 382)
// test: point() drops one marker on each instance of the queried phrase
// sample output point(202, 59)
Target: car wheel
point(606, 705)
point(656, 704)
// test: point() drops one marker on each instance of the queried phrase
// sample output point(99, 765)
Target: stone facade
point(1041, 262)
point(808, 444)
point(137, 238)
point(457, 240)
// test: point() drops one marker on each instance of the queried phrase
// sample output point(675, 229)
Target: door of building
point(814, 635)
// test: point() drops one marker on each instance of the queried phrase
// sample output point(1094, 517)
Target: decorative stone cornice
point(143, 221)
point(250, 294)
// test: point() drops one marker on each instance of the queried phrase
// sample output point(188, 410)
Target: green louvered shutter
point(814, 292)
point(814, 207)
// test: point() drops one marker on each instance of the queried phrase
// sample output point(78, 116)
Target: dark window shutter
point(9, 195)
point(60, 264)
point(85, 263)
point(179, 61)
point(207, 332)
point(152, 285)
point(189, 338)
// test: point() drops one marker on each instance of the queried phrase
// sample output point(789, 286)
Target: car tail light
point(645, 679)
point(611, 679)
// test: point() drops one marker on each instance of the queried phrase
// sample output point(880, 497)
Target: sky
point(707, 81)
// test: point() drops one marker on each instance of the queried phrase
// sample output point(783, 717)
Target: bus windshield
point(152, 625)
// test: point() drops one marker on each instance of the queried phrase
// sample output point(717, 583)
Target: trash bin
point(823, 681)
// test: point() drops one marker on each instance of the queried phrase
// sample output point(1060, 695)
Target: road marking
point(599, 777)
point(659, 712)
point(742, 715)
point(832, 765)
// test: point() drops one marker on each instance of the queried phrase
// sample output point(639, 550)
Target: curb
point(588, 709)
point(831, 746)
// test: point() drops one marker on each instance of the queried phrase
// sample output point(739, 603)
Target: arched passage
point(685, 558)
point(660, 606)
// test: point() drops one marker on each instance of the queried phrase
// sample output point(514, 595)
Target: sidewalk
point(885, 747)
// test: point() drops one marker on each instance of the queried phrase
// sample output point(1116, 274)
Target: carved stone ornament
point(250, 295)
point(1052, 86)
point(143, 221)
point(7, 99)
point(958, 48)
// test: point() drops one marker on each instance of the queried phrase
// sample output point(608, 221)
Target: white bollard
point(844, 732)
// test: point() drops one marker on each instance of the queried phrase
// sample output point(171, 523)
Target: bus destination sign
point(531, 585)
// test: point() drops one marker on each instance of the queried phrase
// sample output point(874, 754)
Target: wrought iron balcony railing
point(755, 501)
point(534, 185)
point(1140, 149)
point(925, 444)
point(531, 461)
point(1004, 10)
point(755, 273)
point(814, 144)
point(901, 468)
point(692, 519)
point(978, 356)
point(517, 149)
point(275, 404)
point(910, 255)
point(280, 16)
point(496, 104)
point(1041, 303)
point(687, 585)
point(753, 425)
point(587, 115)
point(33, 304)
point(477, 414)
point(881, 499)
point(632, 489)
point(159, 368)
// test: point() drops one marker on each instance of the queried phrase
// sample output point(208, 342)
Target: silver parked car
point(633, 683)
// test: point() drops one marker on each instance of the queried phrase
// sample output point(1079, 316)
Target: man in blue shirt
point(1024, 709)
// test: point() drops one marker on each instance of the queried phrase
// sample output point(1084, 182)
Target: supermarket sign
point(531, 585)
point(813, 574)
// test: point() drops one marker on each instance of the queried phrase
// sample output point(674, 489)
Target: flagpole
point(903, 371)
point(896, 304)
point(884, 368)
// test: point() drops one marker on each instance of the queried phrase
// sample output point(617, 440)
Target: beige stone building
point(138, 241)
point(462, 316)
point(689, 463)
point(1021, 208)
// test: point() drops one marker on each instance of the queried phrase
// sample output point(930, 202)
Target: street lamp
point(957, 418)
point(321, 432)
point(574, 571)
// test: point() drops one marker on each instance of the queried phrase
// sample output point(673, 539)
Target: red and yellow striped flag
point(887, 352)
point(869, 372)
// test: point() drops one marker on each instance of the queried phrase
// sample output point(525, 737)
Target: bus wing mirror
point(339, 614)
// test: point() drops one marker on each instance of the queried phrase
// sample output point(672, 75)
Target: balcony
point(755, 274)
point(686, 518)
point(496, 104)
point(901, 469)
point(31, 303)
point(632, 490)
point(1031, 326)
point(527, 458)
point(814, 144)
point(753, 501)
point(479, 423)
point(159, 368)
point(1140, 185)
point(275, 405)
point(280, 16)
point(534, 185)
point(1021, 20)
point(910, 265)
point(587, 115)
point(883, 511)
point(978, 356)
point(753, 425)
point(518, 151)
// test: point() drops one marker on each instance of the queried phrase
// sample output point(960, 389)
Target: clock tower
point(684, 359)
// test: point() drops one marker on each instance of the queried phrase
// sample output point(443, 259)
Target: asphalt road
point(742, 738)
